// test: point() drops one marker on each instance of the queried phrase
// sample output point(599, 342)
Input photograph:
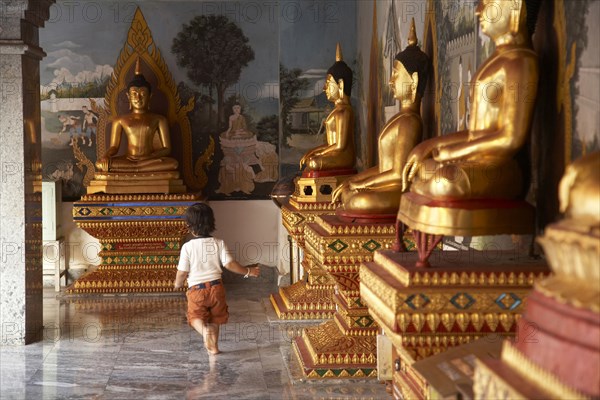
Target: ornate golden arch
point(140, 44)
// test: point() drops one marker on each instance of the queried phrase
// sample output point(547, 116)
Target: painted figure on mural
point(89, 125)
point(377, 190)
point(339, 151)
point(139, 127)
point(479, 162)
point(70, 123)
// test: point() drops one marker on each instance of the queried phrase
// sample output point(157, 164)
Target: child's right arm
point(180, 279)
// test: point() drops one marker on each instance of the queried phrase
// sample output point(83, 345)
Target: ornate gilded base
point(345, 346)
point(556, 353)
point(296, 214)
point(140, 238)
point(300, 302)
point(325, 352)
point(466, 295)
point(516, 377)
point(136, 183)
point(310, 299)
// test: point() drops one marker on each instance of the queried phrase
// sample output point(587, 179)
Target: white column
point(20, 149)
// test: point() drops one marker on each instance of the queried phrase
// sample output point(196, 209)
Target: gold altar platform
point(464, 296)
point(140, 237)
point(344, 347)
point(311, 297)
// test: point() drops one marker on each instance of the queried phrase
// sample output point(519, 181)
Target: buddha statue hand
point(103, 164)
point(303, 161)
point(306, 158)
point(415, 159)
point(337, 192)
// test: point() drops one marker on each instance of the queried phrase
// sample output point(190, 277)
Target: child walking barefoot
point(200, 262)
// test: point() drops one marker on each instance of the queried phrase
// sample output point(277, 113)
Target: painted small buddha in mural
point(238, 128)
point(377, 190)
point(339, 151)
point(140, 127)
point(479, 162)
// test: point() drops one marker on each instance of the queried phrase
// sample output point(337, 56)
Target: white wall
point(249, 227)
point(83, 248)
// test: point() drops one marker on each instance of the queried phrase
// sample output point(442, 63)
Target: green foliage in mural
point(290, 88)
point(213, 49)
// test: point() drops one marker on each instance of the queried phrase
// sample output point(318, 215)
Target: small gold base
point(316, 189)
point(136, 186)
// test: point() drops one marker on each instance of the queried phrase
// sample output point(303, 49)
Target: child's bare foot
point(213, 352)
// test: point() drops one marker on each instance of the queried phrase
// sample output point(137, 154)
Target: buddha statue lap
point(339, 152)
point(145, 167)
point(375, 192)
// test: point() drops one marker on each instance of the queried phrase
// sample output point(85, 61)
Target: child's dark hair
point(200, 219)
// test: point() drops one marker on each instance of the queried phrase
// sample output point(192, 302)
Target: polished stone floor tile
point(141, 347)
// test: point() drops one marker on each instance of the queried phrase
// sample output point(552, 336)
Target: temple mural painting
point(221, 57)
point(585, 98)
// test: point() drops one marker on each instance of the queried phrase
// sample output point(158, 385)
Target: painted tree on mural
point(290, 87)
point(214, 50)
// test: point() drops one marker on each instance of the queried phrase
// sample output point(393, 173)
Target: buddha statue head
point(139, 90)
point(338, 83)
point(508, 21)
point(411, 71)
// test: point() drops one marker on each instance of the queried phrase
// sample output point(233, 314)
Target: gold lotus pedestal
point(311, 298)
point(463, 296)
point(344, 347)
point(140, 237)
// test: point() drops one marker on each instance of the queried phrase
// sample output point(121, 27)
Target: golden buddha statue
point(145, 167)
point(377, 190)
point(139, 127)
point(478, 163)
point(339, 152)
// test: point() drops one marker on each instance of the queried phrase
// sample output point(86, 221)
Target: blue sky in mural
point(83, 40)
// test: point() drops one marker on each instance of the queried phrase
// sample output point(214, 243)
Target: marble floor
point(140, 347)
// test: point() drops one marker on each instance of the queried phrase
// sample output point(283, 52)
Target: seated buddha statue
point(377, 190)
point(139, 127)
point(146, 166)
point(479, 163)
point(339, 152)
